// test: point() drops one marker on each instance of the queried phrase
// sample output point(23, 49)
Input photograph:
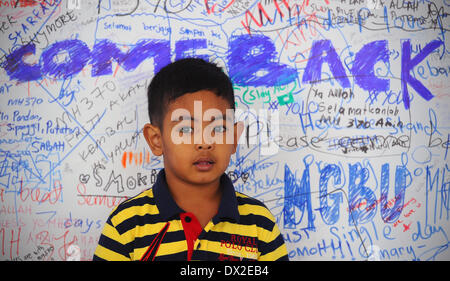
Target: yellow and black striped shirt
point(151, 226)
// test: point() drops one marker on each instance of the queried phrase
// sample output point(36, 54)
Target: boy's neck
point(201, 200)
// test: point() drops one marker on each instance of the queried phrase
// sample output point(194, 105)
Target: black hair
point(182, 77)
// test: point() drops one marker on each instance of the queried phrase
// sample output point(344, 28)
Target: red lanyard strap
point(150, 254)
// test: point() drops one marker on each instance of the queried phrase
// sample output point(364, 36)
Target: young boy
point(192, 212)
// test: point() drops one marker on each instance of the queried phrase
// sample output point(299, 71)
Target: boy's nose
point(204, 146)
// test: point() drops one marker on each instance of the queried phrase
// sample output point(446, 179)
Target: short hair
point(182, 77)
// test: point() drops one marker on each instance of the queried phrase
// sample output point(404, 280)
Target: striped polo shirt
point(152, 227)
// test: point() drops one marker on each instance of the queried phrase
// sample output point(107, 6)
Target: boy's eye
point(220, 129)
point(186, 130)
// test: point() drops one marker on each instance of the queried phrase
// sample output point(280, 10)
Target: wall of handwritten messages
point(345, 103)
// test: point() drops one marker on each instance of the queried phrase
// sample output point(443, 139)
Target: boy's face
point(197, 139)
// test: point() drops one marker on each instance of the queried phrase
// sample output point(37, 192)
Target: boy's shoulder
point(143, 199)
point(248, 205)
point(246, 199)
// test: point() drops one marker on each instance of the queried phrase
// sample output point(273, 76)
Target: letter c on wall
point(16, 68)
point(363, 66)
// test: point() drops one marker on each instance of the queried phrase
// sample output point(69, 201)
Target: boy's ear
point(152, 135)
point(238, 129)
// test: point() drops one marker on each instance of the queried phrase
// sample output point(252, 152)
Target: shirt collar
point(168, 208)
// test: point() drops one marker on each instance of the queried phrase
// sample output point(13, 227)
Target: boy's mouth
point(204, 164)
